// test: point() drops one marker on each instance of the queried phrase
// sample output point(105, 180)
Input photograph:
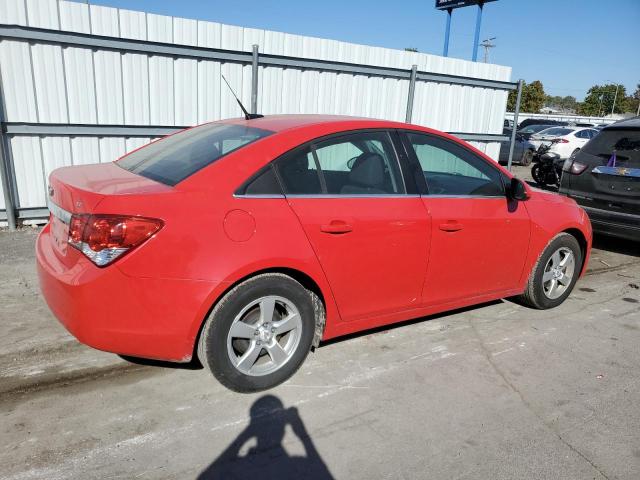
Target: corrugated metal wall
point(54, 84)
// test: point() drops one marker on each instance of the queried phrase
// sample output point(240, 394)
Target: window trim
point(423, 182)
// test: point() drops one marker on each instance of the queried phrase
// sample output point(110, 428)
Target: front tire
point(538, 175)
point(555, 273)
point(259, 333)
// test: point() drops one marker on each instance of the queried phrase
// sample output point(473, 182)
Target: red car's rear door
point(371, 236)
point(479, 237)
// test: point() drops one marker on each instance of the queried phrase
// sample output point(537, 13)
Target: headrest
point(368, 170)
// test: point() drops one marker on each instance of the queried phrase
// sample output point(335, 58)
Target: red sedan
point(247, 242)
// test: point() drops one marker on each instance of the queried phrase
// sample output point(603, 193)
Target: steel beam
point(73, 130)
point(254, 80)
point(412, 90)
point(512, 143)
point(57, 37)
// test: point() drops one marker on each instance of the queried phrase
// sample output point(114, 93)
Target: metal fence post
point(412, 90)
point(515, 124)
point(254, 80)
point(5, 171)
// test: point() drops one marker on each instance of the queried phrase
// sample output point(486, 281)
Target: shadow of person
point(266, 457)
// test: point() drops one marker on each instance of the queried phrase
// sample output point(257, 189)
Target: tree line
point(598, 102)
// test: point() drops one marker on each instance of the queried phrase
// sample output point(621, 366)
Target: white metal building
point(48, 83)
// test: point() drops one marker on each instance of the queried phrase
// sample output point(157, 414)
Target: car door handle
point(336, 226)
point(450, 226)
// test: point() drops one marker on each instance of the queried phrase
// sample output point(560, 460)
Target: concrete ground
point(497, 391)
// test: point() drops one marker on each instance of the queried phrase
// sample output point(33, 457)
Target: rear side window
point(362, 163)
point(624, 143)
point(176, 157)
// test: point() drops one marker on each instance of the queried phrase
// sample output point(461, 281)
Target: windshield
point(175, 157)
point(556, 131)
point(625, 144)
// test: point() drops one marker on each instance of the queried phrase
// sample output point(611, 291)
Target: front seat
point(366, 176)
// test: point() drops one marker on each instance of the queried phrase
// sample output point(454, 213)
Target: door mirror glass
point(517, 190)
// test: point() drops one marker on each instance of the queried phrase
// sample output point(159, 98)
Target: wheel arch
point(584, 245)
point(305, 279)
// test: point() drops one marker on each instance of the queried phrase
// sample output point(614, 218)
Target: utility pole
point(486, 44)
point(614, 99)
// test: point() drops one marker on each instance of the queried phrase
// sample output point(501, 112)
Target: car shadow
point(258, 451)
point(616, 245)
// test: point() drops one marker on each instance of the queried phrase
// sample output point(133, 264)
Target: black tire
point(527, 158)
point(534, 294)
point(538, 175)
point(212, 347)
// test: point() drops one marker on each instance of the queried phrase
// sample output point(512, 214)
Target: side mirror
point(517, 190)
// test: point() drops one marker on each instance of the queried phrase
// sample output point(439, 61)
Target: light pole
point(614, 99)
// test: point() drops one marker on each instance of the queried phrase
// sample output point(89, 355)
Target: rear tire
point(527, 158)
point(555, 273)
point(259, 333)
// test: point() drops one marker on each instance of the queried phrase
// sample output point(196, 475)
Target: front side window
point(174, 158)
point(450, 169)
point(354, 164)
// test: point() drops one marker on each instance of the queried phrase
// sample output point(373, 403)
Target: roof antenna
point(247, 115)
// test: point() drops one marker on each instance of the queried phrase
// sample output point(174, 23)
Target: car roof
point(633, 122)
point(279, 123)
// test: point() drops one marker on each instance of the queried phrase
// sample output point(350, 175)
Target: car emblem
point(51, 190)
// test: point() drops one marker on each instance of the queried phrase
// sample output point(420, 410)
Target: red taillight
point(571, 166)
point(560, 140)
point(103, 238)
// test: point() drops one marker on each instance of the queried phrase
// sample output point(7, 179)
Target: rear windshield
point(174, 158)
point(556, 131)
point(534, 128)
point(625, 144)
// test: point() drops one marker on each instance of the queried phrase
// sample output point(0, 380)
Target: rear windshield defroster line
point(176, 157)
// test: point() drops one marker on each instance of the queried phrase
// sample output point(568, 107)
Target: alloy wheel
point(264, 335)
point(558, 273)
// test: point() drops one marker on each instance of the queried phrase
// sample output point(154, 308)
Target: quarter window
point(299, 173)
point(450, 169)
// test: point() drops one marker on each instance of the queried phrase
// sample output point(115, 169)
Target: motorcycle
point(548, 167)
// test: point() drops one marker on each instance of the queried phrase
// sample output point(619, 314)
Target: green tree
point(567, 103)
point(600, 98)
point(633, 101)
point(533, 98)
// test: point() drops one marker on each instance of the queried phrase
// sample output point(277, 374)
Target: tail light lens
point(571, 166)
point(560, 140)
point(103, 238)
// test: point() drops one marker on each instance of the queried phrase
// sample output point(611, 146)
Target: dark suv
point(604, 178)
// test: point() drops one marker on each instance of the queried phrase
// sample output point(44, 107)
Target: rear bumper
point(111, 311)
point(616, 224)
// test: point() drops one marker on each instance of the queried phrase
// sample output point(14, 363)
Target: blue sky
point(569, 45)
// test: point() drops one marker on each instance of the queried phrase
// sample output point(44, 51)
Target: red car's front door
point(479, 237)
point(371, 238)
